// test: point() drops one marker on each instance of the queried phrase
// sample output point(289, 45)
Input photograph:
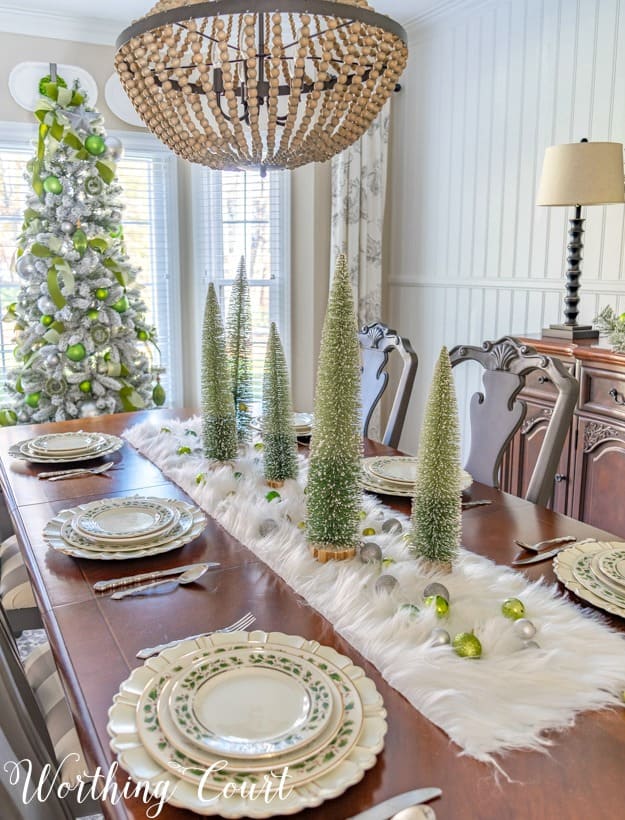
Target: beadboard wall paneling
point(471, 257)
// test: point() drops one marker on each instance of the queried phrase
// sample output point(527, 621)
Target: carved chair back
point(377, 342)
point(497, 413)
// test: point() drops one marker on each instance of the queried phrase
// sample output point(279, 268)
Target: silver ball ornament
point(266, 527)
point(524, 628)
point(114, 148)
point(440, 637)
point(88, 409)
point(370, 553)
point(67, 227)
point(386, 584)
point(392, 525)
point(436, 589)
point(25, 266)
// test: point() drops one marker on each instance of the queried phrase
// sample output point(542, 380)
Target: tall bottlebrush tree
point(239, 327)
point(219, 432)
point(436, 508)
point(334, 495)
point(280, 453)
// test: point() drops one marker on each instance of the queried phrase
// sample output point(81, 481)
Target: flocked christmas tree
point(333, 493)
point(239, 339)
point(219, 432)
point(280, 452)
point(436, 508)
point(81, 337)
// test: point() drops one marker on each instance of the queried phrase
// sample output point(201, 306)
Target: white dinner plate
point(56, 444)
point(125, 519)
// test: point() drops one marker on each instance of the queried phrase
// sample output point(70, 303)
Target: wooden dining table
point(95, 640)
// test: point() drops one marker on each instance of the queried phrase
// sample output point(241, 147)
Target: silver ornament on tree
point(114, 148)
point(25, 266)
point(67, 227)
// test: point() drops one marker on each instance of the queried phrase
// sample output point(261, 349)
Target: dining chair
point(36, 725)
point(16, 593)
point(377, 343)
point(497, 412)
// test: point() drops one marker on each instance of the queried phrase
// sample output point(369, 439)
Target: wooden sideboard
point(591, 476)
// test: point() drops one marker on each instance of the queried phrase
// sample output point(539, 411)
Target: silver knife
point(542, 556)
point(394, 804)
point(105, 586)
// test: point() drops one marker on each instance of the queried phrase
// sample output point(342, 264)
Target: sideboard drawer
point(602, 391)
point(539, 386)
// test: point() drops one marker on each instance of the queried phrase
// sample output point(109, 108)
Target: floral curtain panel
point(358, 197)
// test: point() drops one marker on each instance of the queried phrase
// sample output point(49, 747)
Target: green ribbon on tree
point(9, 316)
point(114, 369)
point(112, 265)
point(106, 171)
point(54, 289)
point(40, 251)
point(72, 140)
point(69, 281)
point(98, 243)
point(52, 336)
point(131, 400)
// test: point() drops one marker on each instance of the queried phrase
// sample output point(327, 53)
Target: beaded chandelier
point(269, 83)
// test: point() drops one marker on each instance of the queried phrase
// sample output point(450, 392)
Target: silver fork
point(537, 547)
point(243, 623)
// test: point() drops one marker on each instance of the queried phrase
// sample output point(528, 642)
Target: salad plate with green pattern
point(330, 763)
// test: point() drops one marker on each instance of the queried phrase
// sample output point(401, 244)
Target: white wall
point(310, 245)
point(470, 256)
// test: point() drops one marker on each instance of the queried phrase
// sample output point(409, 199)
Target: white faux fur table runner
point(506, 699)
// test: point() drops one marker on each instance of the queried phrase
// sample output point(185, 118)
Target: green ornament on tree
point(239, 347)
point(52, 185)
point(46, 320)
point(32, 399)
point(280, 454)
point(334, 496)
point(79, 241)
point(85, 386)
point(95, 145)
point(143, 335)
point(44, 82)
point(121, 305)
point(158, 395)
point(76, 353)
point(93, 186)
point(93, 314)
point(219, 430)
point(436, 509)
point(102, 294)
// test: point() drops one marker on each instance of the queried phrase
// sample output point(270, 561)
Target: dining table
point(94, 640)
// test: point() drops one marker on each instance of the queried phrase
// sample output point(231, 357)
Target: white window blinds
point(239, 213)
point(147, 172)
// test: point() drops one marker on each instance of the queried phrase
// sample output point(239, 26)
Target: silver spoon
point(165, 586)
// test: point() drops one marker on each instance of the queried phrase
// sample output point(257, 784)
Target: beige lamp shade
point(582, 173)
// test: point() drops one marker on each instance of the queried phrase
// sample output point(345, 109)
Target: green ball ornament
point(76, 353)
point(158, 395)
point(85, 387)
point(46, 320)
point(439, 603)
point(95, 145)
point(184, 451)
point(93, 314)
point(143, 335)
point(272, 495)
point(79, 241)
point(513, 608)
point(115, 233)
point(466, 645)
point(52, 185)
point(368, 531)
point(102, 294)
point(7, 418)
point(121, 305)
point(32, 399)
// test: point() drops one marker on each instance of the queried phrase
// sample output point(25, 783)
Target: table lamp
point(580, 173)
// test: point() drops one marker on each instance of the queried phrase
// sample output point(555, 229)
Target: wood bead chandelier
point(269, 83)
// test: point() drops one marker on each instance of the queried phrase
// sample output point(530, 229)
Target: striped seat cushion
point(45, 682)
point(15, 589)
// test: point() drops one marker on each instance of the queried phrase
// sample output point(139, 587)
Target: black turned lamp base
point(570, 332)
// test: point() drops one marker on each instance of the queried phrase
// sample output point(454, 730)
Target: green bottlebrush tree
point(280, 453)
point(82, 342)
point(240, 351)
point(436, 508)
point(219, 431)
point(334, 496)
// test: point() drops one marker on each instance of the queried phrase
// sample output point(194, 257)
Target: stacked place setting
point(294, 721)
point(303, 423)
point(395, 475)
point(595, 572)
point(124, 528)
point(60, 448)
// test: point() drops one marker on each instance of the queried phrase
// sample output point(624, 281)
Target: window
point(147, 173)
point(240, 213)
